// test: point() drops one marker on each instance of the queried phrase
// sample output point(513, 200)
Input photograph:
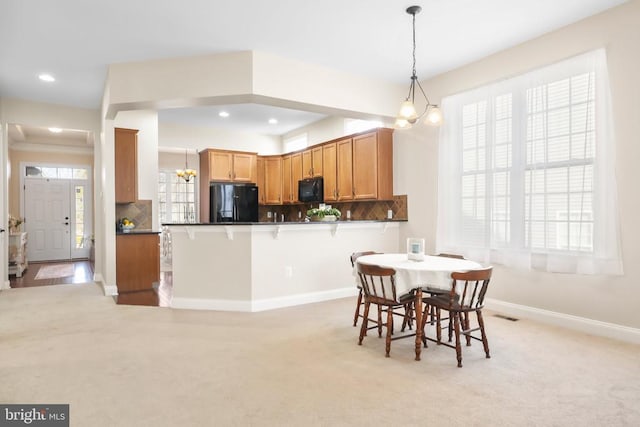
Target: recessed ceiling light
point(55, 130)
point(47, 78)
point(223, 114)
point(273, 121)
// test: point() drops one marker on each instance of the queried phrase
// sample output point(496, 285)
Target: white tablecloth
point(434, 271)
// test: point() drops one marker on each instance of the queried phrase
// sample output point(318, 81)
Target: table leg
point(418, 311)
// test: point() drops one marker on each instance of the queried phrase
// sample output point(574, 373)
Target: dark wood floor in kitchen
point(83, 273)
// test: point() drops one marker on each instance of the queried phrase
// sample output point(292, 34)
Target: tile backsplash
point(139, 212)
point(373, 210)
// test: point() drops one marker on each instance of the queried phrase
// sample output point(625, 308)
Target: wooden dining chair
point(467, 293)
point(379, 289)
point(360, 301)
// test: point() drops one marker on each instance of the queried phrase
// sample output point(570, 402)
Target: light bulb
point(401, 124)
point(434, 116)
point(408, 111)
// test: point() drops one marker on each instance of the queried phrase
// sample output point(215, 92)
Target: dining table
point(411, 275)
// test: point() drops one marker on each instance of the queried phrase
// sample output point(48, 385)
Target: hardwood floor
point(82, 273)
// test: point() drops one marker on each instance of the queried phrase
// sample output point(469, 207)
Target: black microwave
point(311, 190)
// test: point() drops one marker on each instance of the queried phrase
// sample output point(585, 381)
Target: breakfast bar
point(262, 266)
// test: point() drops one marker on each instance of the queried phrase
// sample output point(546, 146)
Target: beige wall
point(321, 131)
point(605, 299)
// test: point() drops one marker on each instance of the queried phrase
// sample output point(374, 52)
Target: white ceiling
point(241, 116)
point(76, 40)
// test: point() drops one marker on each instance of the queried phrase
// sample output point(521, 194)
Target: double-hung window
point(526, 171)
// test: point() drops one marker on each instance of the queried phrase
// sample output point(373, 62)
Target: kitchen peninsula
point(262, 266)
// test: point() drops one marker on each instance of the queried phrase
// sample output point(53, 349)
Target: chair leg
point(456, 326)
point(438, 325)
point(387, 344)
point(379, 321)
point(365, 322)
point(466, 327)
point(423, 326)
point(357, 314)
point(485, 343)
point(408, 317)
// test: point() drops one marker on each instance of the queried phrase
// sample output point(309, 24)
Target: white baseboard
point(308, 298)
point(108, 290)
point(210, 304)
point(261, 305)
point(6, 285)
point(582, 324)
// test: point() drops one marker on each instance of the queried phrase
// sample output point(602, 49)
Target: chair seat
point(444, 303)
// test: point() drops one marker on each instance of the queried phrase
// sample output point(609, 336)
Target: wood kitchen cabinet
point(260, 181)
point(287, 185)
point(126, 165)
point(231, 166)
point(344, 169)
point(359, 167)
point(312, 162)
point(373, 165)
point(296, 174)
point(273, 180)
point(137, 262)
point(330, 169)
point(291, 174)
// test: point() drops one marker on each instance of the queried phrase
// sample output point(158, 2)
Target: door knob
point(66, 223)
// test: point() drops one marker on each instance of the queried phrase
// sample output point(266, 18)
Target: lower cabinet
point(137, 262)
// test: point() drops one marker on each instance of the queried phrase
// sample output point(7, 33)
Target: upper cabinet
point(260, 181)
point(287, 182)
point(273, 180)
point(291, 174)
point(373, 165)
point(126, 165)
point(356, 167)
point(359, 167)
point(329, 166)
point(232, 166)
point(312, 162)
point(344, 169)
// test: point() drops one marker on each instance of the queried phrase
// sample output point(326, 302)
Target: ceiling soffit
point(247, 77)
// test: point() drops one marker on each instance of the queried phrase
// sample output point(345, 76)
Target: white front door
point(47, 219)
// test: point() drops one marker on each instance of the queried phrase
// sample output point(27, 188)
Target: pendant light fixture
point(408, 115)
point(186, 173)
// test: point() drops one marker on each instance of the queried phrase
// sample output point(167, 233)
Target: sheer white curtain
point(526, 171)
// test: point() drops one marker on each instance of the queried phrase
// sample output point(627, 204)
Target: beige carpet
point(146, 366)
point(54, 271)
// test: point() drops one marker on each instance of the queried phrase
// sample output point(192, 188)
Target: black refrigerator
point(233, 202)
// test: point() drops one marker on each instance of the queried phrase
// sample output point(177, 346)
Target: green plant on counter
point(321, 213)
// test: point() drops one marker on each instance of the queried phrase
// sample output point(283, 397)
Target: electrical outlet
point(269, 214)
point(288, 271)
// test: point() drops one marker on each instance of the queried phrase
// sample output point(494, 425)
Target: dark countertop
point(136, 231)
point(286, 222)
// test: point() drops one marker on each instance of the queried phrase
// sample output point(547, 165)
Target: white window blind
point(526, 171)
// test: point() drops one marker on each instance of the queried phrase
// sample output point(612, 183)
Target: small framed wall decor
point(415, 249)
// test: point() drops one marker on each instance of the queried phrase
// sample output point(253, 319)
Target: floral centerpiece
point(14, 223)
point(323, 214)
